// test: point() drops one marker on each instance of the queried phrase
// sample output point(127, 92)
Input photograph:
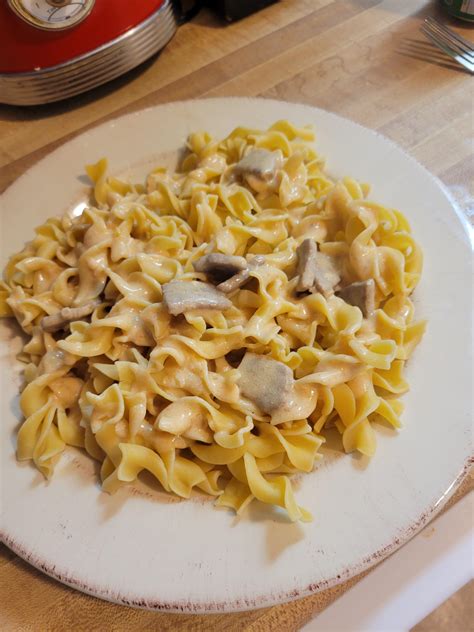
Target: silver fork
point(457, 47)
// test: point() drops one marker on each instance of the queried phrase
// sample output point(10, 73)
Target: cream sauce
point(299, 404)
point(184, 418)
point(66, 390)
point(333, 372)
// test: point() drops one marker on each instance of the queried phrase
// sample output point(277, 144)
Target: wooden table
point(364, 59)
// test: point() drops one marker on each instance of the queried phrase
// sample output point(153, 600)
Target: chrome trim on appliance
point(94, 68)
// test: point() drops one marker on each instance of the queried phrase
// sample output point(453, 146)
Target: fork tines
point(450, 42)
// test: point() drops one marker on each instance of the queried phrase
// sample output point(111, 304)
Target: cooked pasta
point(210, 325)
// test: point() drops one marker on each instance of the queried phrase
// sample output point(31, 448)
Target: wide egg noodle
point(139, 389)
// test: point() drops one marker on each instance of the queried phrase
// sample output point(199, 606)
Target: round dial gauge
point(52, 14)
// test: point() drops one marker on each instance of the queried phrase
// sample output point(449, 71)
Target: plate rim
point(262, 601)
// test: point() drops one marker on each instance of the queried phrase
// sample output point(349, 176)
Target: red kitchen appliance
point(53, 49)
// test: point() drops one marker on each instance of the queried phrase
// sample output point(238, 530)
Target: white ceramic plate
point(141, 548)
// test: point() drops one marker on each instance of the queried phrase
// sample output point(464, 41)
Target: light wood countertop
point(363, 59)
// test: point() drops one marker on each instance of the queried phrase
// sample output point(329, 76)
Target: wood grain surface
point(363, 59)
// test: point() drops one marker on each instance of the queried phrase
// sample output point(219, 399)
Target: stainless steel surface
point(457, 47)
point(93, 69)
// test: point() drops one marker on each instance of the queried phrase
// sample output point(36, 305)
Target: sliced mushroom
point(258, 168)
point(317, 271)
point(361, 294)
point(306, 253)
point(238, 280)
point(266, 382)
point(219, 267)
point(67, 315)
point(182, 296)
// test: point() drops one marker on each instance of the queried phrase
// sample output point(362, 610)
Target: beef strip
point(182, 296)
point(258, 168)
point(316, 271)
point(326, 276)
point(361, 294)
point(306, 253)
point(266, 382)
point(67, 315)
point(219, 267)
point(238, 280)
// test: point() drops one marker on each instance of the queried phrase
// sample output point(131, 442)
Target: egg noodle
point(110, 369)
